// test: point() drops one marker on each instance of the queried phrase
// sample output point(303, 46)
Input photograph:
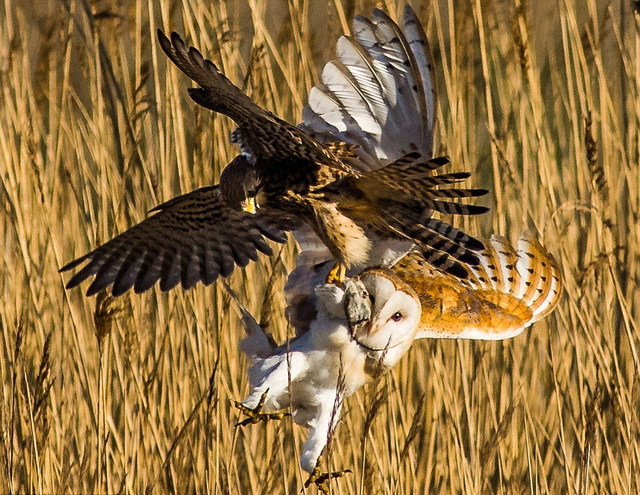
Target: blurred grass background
point(540, 99)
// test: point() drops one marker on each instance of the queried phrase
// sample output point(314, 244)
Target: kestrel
point(354, 334)
point(350, 195)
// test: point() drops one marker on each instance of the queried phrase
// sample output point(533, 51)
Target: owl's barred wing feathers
point(379, 94)
point(191, 238)
point(507, 291)
point(528, 273)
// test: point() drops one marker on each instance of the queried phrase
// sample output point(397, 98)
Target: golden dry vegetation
point(133, 395)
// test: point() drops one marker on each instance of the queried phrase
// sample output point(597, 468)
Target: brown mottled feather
point(294, 178)
point(194, 237)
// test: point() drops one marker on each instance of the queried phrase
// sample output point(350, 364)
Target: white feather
point(383, 74)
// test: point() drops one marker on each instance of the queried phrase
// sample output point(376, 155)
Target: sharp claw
point(321, 480)
point(337, 275)
point(255, 415)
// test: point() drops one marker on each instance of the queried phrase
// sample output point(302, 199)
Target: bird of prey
point(365, 328)
point(358, 172)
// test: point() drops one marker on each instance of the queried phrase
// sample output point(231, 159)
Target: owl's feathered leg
point(271, 378)
point(329, 406)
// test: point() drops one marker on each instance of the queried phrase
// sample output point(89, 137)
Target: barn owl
point(352, 334)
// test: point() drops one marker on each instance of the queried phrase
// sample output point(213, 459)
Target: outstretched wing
point(527, 272)
point(506, 292)
point(378, 97)
point(259, 133)
point(379, 94)
point(194, 237)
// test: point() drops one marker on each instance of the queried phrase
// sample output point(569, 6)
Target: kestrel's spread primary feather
point(357, 332)
point(357, 172)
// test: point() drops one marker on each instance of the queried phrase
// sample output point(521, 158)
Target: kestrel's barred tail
point(443, 246)
point(400, 198)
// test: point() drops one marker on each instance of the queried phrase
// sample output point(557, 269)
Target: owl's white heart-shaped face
point(395, 313)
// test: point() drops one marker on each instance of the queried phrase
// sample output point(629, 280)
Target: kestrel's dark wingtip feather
point(474, 244)
point(440, 161)
point(72, 264)
point(457, 270)
point(178, 43)
point(74, 282)
point(163, 40)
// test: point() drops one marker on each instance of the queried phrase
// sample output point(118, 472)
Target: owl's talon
point(255, 415)
point(321, 480)
point(337, 275)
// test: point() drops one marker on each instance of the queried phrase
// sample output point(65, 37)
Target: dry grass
point(134, 395)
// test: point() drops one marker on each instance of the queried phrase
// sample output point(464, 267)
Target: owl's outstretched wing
point(191, 238)
point(379, 94)
point(509, 290)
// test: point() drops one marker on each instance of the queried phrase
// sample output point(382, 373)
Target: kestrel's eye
point(397, 316)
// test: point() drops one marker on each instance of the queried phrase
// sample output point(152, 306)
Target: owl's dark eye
point(397, 316)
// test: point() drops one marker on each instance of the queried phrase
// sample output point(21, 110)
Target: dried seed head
point(107, 311)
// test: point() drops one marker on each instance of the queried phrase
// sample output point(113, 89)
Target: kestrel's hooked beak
point(250, 206)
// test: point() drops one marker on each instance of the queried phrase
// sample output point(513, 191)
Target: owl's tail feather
point(258, 342)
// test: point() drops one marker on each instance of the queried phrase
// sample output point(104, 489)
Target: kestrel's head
point(383, 312)
point(239, 183)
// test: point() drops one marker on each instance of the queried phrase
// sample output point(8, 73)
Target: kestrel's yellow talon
point(255, 415)
point(321, 480)
point(337, 274)
point(249, 205)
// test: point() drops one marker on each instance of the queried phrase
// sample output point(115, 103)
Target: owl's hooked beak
point(360, 330)
point(250, 205)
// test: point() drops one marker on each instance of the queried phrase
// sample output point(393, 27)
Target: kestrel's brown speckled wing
point(510, 289)
point(191, 238)
point(260, 134)
point(287, 159)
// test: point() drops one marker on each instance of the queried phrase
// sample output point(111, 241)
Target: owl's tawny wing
point(379, 94)
point(527, 271)
point(191, 238)
point(511, 288)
